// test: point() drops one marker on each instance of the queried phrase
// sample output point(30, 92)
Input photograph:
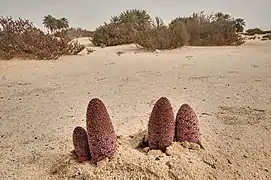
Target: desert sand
point(228, 87)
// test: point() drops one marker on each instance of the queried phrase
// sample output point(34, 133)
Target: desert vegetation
point(199, 29)
point(252, 32)
point(210, 30)
point(267, 37)
point(122, 28)
point(19, 38)
point(73, 33)
point(53, 24)
point(60, 27)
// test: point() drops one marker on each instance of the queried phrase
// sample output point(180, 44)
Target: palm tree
point(54, 24)
point(239, 24)
point(50, 23)
point(220, 17)
point(114, 19)
point(127, 17)
point(142, 16)
point(62, 23)
point(226, 17)
point(135, 16)
point(158, 22)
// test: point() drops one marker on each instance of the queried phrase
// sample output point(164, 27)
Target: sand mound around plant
point(132, 161)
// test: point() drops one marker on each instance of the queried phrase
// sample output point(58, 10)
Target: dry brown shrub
point(113, 34)
point(267, 37)
point(252, 32)
point(21, 39)
point(210, 30)
point(73, 33)
point(163, 37)
point(197, 30)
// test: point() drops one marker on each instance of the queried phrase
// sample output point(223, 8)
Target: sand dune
point(228, 87)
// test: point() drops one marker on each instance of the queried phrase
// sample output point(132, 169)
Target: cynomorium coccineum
point(187, 125)
point(161, 125)
point(101, 134)
point(80, 142)
point(99, 141)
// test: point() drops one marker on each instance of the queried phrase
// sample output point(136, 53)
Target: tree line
point(53, 24)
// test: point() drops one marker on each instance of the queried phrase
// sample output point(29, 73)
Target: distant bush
point(122, 28)
point(113, 34)
point(252, 32)
point(162, 37)
point(73, 33)
point(267, 37)
point(210, 30)
point(20, 38)
point(134, 26)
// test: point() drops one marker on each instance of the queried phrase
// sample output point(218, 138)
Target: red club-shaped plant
point(101, 134)
point(161, 125)
point(187, 125)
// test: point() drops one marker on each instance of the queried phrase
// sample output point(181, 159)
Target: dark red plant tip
point(187, 125)
point(101, 134)
point(82, 159)
point(161, 125)
point(80, 142)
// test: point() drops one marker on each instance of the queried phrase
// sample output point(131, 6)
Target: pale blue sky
point(91, 13)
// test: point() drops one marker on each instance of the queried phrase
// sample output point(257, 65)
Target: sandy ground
point(228, 87)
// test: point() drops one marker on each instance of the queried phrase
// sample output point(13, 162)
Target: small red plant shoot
point(80, 142)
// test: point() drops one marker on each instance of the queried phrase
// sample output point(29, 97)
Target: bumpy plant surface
point(101, 134)
point(187, 125)
point(161, 125)
point(80, 142)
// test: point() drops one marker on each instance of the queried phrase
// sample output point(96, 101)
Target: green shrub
point(163, 37)
point(122, 28)
point(252, 32)
point(210, 30)
point(267, 37)
point(20, 38)
point(73, 33)
point(134, 26)
point(113, 34)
